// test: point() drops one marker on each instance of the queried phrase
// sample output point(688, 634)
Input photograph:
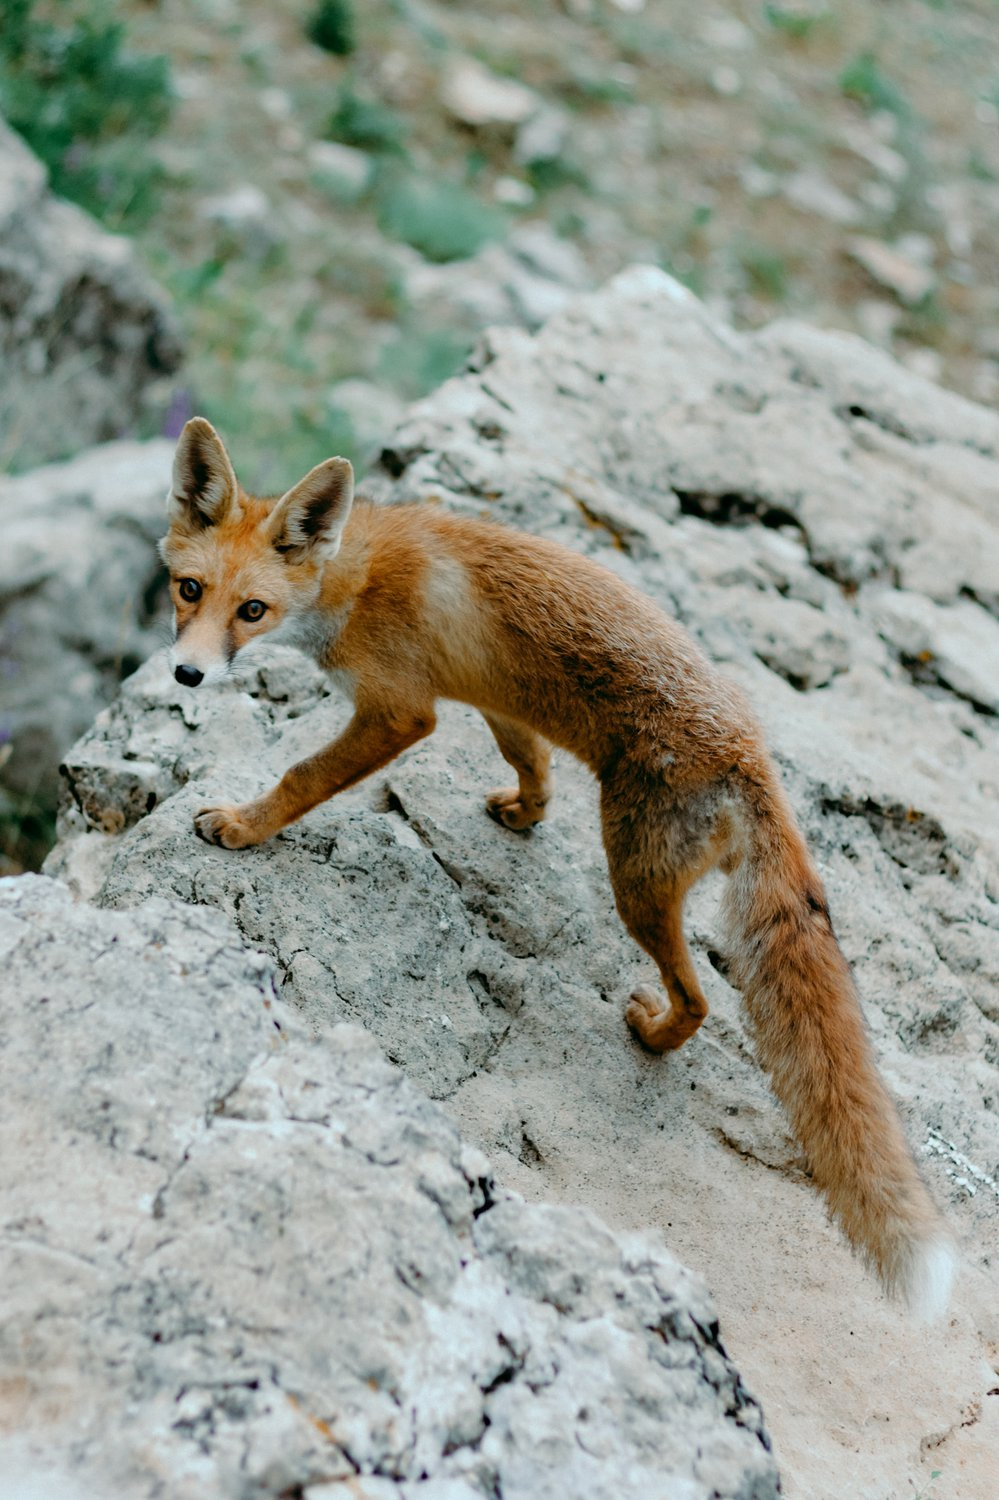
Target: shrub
point(82, 103)
point(440, 219)
point(421, 358)
point(331, 26)
point(863, 80)
point(358, 121)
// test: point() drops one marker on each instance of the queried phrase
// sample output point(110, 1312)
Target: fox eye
point(253, 609)
point(190, 589)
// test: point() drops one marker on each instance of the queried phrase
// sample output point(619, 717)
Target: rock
point(78, 596)
point(543, 136)
point(771, 489)
point(245, 213)
point(815, 194)
point(910, 278)
point(726, 81)
point(83, 332)
point(372, 412)
point(526, 280)
point(280, 1261)
point(955, 644)
point(513, 192)
point(870, 147)
point(474, 96)
point(344, 168)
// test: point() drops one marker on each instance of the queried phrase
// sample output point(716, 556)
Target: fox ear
point(204, 484)
point(310, 518)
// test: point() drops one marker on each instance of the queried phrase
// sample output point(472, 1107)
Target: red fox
point(409, 605)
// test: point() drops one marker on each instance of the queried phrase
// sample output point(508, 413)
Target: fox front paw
point(226, 826)
point(506, 806)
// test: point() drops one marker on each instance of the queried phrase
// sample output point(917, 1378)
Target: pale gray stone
point(784, 493)
point(345, 168)
point(895, 267)
point(83, 332)
point(239, 1265)
point(78, 597)
point(473, 95)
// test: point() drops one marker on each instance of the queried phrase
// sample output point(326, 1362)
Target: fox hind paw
point(644, 1013)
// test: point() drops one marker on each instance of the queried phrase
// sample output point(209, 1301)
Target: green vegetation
point(863, 80)
point(766, 269)
point(794, 22)
point(440, 219)
point(331, 26)
point(27, 830)
point(361, 121)
point(85, 105)
point(421, 358)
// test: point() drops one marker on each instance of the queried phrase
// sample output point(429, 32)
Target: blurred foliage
point(84, 104)
point(331, 26)
point(27, 832)
point(766, 269)
point(420, 359)
point(863, 80)
point(441, 219)
point(361, 121)
point(794, 22)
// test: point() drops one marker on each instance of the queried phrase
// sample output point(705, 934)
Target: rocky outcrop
point(79, 580)
point(279, 1264)
point(82, 329)
point(826, 524)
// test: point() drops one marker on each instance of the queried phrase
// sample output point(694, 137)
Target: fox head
point(240, 566)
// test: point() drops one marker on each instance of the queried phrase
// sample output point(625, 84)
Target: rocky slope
point(826, 524)
point(840, 162)
point(79, 587)
point(279, 1262)
point(83, 332)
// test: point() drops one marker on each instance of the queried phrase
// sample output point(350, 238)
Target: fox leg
point(654, 917)
point(658, 846)
point(369, 742)
point(530, 756)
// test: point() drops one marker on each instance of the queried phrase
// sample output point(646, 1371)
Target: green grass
point(361, 121)
point(421, 358)
point(863, 80)
point(766, 270)
point(332, 27)
point(794, 22)
point(85, 105)
point(441, 219)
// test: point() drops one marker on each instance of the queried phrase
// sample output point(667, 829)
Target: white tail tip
point(931, 1279)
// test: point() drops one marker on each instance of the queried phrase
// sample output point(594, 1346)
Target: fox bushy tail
point(811, 1039)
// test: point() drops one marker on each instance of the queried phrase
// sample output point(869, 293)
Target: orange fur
point(412, 605)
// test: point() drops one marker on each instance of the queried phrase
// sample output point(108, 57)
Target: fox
point(409, 604)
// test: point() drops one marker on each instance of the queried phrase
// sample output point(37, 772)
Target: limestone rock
point(524, 281)
point(236, 1264)
point(910, 277)
point(346, 169)
point(82, 331)
point(473, 95)
point(78, 582)
point(777, 491)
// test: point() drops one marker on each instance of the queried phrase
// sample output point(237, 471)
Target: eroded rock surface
point(788, 495)
point(237, 1264)
point(82, 330)
point(78, 593)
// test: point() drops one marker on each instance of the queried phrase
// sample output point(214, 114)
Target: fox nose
point(189, 676)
